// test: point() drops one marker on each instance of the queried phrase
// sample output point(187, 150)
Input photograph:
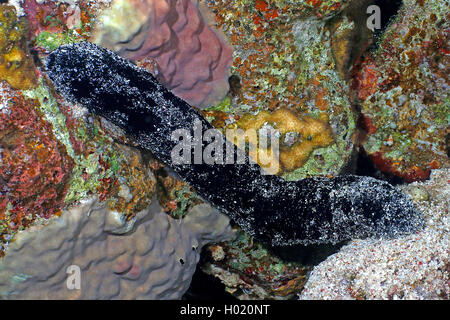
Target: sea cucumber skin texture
point(275, 211)
point(155, 257)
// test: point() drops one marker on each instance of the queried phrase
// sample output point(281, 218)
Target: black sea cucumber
point(275, 211)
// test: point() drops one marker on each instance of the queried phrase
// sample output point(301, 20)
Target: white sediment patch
point(412, 267)
point(18, 5)
point(5, 92)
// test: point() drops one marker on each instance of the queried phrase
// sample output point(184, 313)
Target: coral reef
point(310, 72)
point(53, 155)
point(193, 59)
point(16, 63)
point(150, 257)
point(115, 172)
point(403, 88)
point(412, 267)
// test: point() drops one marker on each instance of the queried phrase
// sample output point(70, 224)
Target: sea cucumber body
point(279, 212)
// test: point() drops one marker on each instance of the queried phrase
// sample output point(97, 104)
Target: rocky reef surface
point(403, 88)
point(54, 154)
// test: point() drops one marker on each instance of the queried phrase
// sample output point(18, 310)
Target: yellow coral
point(16, 63)
point(310, 134)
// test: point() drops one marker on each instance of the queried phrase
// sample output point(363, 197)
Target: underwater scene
point(202, 150)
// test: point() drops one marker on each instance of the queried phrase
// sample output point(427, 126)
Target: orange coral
point(311, 134)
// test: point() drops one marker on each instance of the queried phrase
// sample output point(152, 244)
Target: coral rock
point(193, 59)
point(34, 167)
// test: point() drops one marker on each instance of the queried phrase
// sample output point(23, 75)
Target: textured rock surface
point(403, 88)
point(193, 59)
point(412, 267)
point(283, 58)
point(34, 166)
point(152, 257)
